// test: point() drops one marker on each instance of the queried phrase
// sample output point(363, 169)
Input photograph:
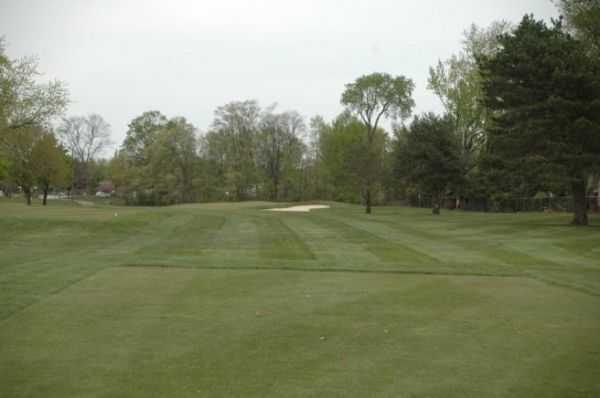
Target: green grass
point(228, 300)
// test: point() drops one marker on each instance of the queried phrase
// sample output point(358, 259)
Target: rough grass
point(229, 300)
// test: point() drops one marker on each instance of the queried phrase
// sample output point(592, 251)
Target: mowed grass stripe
point(279, 241)
point(350, 320)
point(495, 247)
point(440, 253)
point(192, 238)
point(133, 332)
point(238, 236)
point(54, 246)
point(327, 243)
point(517, 239)
point(356, 247)
point(552, 258)
point(61, 262)
point(516, 250)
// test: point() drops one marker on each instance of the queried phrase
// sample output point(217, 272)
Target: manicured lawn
point(230, 300)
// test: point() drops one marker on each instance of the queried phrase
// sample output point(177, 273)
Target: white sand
point(300, 209)
point(84, 202)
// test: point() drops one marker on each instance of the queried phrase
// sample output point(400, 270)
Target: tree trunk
point(45, 201)
point(275, 191)
point(580, 216)
point(27, 192)
point(437, 204)
point(370, 135)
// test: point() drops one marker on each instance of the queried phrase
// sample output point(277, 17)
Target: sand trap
point(84, 203)
point(300, 209)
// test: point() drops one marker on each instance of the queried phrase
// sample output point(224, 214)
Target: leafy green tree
point(544, 91)
point(119, 173)
point(26, 107)
point(158, 163)
point(311, 181)
point(49, 163)
point(5, 182)
point(344, 151)
point(6, 87)
point(173, 157)
point(233, 142)
point(21, 162)
point(24, 101)
point(3, 167)
point(342, 147)
point(141, 134)
point(280, 149)
point(130, 169)
point(97, 171)
point(583, 21)
point(372, 97)
point(428, 156)
point(457, 83)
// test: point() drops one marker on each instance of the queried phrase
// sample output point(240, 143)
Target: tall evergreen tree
point(544, 92)
point(429, 156)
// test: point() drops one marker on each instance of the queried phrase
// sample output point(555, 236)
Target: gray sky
point(120, 58)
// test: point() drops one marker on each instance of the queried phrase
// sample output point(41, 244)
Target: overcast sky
point(120, 58)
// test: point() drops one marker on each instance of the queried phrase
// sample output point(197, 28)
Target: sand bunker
point(300, 209)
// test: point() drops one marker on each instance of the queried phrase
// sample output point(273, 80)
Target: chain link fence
point(506, 204)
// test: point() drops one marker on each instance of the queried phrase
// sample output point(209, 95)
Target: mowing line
point(562, 285)
point(325, 270)
point(11, 313)
point(365, 271)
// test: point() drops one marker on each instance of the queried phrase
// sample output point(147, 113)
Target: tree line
point(521, 117)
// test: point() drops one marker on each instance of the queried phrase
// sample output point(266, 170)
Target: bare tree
point(86, 138)
point(97, 137)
